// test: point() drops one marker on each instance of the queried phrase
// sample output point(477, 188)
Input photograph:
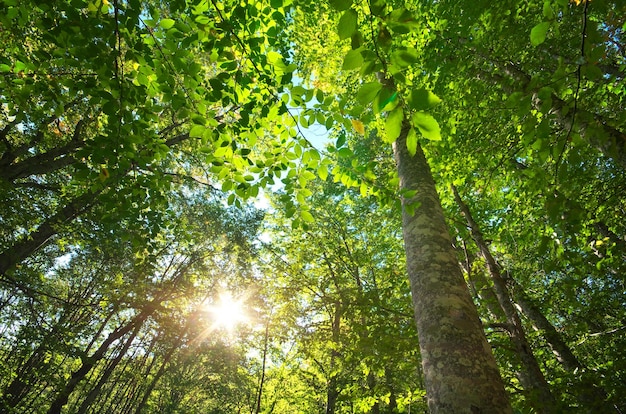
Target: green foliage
point(538, 33)
point(347, 24)
point(127, 127)
point(393, 124)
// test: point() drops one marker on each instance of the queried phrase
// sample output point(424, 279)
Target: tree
point(126, 126)
point(354, 337)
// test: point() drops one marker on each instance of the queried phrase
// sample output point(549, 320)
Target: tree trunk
point(531, 377)
point(460, 371)
point(156, 378)
point(35, 240)
point(591, 395)
point(262, 380)
point(90, 362)
point(90, 398)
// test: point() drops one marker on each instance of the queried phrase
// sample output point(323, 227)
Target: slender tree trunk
point(591, 395)
point(531, 377)
point(332, 391)
point(460, 371)
point(107, 373)
point(262, 380)
point(35, 240)
point(89, 362)
point(156, 379)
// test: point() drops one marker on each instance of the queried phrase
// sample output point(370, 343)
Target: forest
point(298, 206)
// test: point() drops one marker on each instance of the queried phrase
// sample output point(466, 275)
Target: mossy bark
point(460, 372)
point(531, 377)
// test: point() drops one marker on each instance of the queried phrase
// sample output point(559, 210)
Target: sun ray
point(228, 312)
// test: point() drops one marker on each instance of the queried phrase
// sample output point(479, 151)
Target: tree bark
point(531, 377)
point(592, 127)
point(460, 371)
point(95, 391)
point(32, 242)
point(591, 395)
point(89, 362)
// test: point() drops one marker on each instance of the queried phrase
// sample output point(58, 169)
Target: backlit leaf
point(353, 60)
point(368, 92)
point(422, 99)
point(538, 33)
point(427, 126)
point(167, 23)
point(322, 172)
point(307, 217)
point(197, 131)
point(393, 125)
point(411, 142)
point(358, 126)
point(347, 24)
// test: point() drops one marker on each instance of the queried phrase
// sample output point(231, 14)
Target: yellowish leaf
point(358, 126)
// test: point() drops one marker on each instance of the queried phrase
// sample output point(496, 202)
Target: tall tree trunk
point(36, 239)
point(591, 395)
point(332, 391)
point(89, 362)
point(95, 391)
point(460, 371)
point(262, 380)
point(157, 377)
point(531, 377)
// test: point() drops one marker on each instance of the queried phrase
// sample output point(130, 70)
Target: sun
point(228, 312)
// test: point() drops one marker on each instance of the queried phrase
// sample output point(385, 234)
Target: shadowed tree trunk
point(460, 371)
point(95, 391)
point(531, 377)
point(157, 377)
point(262, 379)
point(591, 395)
point(30, 243)
point(89, 362)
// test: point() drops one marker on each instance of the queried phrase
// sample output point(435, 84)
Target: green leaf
point(197, 131)
point(427, 125)
point(385, 100)
point(322, 172)
point(405, 57)
point(548, 13)
point(538, 33)
point(422, 99)
point(356, 40)
point(368, 92)
point(341, 141)
point(353, 60)
point(347, 24)
point(411, 142)
point(167, 23)
point(307, 217)
point(393, 125)
point(411, 207)
point(274, 57)
point(345, 153)
point(341, 5)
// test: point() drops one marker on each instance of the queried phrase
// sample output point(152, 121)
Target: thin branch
point(576, 95)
